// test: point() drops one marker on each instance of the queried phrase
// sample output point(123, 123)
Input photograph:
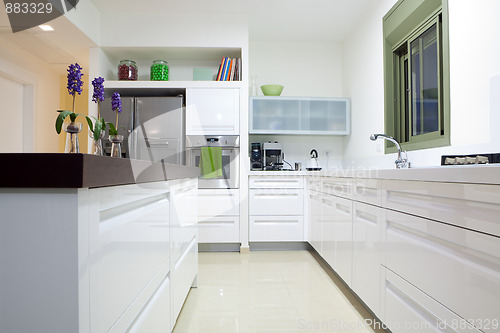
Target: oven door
point(230, 168)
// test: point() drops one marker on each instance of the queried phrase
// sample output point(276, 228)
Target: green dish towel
point(211, 162)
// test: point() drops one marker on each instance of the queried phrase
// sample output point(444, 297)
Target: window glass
point(424, 82)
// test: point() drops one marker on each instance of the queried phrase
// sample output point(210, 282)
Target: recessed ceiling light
point(46, 27)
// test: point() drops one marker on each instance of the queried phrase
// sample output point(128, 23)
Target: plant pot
point(72, 144)
point(116, 145)
point(97, 144)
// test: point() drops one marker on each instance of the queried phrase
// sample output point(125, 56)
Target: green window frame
point(417, 107)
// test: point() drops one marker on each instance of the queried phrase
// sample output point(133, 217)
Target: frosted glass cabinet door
point(299, 115)
point(212, 111)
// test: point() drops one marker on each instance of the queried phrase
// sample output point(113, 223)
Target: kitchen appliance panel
point(230, 159)
point(159, 131)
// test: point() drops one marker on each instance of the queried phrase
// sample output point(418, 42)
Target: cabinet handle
point(344, 209)
point(275, 221)
point(137, 207)
point(468, 256)
point(366, 217)
point(276, 195)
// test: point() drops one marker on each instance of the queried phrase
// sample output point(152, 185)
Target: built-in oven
point(230, 145)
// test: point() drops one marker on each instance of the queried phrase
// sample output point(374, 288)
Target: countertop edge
point(59, 170)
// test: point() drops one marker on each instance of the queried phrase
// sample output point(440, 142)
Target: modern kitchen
point(264, 166)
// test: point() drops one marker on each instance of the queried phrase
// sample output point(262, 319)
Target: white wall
point(474, 71)
point(12, 96)
point(41, 93)
point(304, 69)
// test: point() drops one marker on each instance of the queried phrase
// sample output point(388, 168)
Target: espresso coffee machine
point(256, 157)
point(273, 158)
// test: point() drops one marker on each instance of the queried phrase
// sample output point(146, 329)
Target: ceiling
point(284, 20)
point(275, 20)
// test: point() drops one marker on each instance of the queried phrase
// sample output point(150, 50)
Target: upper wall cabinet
point(212, 111)
point(299, 115)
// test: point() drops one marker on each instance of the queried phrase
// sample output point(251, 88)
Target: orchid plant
point(116, 105)
point(74, 86)
point(97, 97)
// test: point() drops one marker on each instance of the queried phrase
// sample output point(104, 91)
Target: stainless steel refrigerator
point(153, 128)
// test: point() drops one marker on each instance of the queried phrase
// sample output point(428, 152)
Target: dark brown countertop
point(61, 170)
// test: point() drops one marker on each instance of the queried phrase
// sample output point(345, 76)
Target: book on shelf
point(229, 69)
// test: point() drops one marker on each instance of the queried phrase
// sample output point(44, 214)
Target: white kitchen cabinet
point(299, 115)
point(212, 111)
point(276, 201)
point(327, 227)
point(156, 315)
point(443, 260)
point(276, 209)
point(405, 308)
point(367, 253)
point(103, 257)
point(336, 231)
point(219, 220)
point(338, 186)
point(277, 228)
point(140, 222)
point(471, 206)
point(343, 238)
point(314, 205)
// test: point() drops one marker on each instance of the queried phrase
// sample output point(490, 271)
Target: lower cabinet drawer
point(458, 267)
point(184, 273)
point(276, 228)
point(155, 316)
point(216, 202)
point(276, 202)
point(219, 229)
point(407, 309)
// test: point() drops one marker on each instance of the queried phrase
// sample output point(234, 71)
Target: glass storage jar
point(127, 70)
point(159, 70)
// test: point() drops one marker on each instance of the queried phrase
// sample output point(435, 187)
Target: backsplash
point(297, 148)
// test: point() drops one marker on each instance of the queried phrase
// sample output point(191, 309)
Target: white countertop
point(476, 174)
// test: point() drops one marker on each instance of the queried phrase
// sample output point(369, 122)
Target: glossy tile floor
point(268, 291)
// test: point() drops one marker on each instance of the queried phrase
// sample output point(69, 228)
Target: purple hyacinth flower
point(98, 95)
point(75, 82)
point(116, 102)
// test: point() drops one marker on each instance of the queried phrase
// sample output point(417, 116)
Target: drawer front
point(218, 202)
point(443, 260)
point(219, 229)
point(343, 239)
point(314, 224)
point(276, 228)
point(340, 187)
point(131, 244)
point(113, 196)
point(276, 202)
point(276, 182)
point(367, 254)
point(408, 309)
point(184, 272)
point(471, 206)
point(155, 317)
point(314, 183)
point(368, 191)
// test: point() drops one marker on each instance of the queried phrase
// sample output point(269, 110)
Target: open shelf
point(181, 62)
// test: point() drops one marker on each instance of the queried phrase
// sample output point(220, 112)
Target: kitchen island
point(94, 243)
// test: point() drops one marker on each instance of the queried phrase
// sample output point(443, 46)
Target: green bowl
point(272, 89)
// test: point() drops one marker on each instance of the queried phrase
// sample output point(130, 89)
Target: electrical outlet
point(380, 145)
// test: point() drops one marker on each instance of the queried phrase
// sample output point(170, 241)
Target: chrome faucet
point(401, 162)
